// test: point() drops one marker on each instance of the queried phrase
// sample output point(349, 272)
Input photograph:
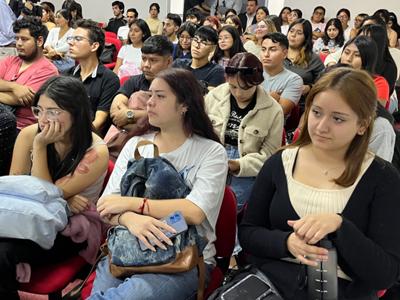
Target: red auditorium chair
point(226, 234)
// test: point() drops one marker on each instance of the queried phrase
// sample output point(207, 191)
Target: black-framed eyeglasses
point(243, 70)
point(202, 43)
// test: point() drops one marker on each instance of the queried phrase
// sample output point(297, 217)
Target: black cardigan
point(368, 241)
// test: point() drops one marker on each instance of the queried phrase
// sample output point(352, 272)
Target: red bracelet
point(142, 207)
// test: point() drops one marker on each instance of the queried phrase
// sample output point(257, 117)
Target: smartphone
point(176, 221)
point(249, 288)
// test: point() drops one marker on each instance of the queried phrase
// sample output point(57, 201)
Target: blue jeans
point(241, 186)
point(64, 64)
point(145, 286)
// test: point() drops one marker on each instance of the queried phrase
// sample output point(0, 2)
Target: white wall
point(355, 6)
point(100, 10)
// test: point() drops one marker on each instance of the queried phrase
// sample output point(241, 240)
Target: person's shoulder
point(207, 146)
point(46, 64)
point(291, 76)
point(383, 170)
point(108, 74)
point(29, 132)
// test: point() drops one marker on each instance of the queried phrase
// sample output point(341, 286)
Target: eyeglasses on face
point(201, 43)
point(52, 114)
point(77, 38)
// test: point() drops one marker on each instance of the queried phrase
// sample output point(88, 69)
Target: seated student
point(118, 21)
point(156, 56)
point(100, 83)
point(56, 46)
point(301, 60)
point(262, 28)
point(358, 20)
point(247, 120)
point(171, 26)
point(61, 149)
point(185, 35)
point(333, 39)
point(21, 76)
point(361, 53)
point(186, 138)
point(229, 43)
point(155, 24)
point(130, 55)
point(203, 44)
point(328, 185)
point(318, 22)
point(283, 85)
point(131, 15)
point(343, 15)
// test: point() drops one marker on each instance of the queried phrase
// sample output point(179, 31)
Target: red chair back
point(110, 34)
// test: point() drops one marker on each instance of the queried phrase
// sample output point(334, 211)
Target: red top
point(382, 89)
point(34, 76)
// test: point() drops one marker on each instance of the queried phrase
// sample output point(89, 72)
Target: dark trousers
point(15, 251)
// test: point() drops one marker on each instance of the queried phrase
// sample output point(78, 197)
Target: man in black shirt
point(203, 44)
point(156, 56)
point(101, 84)
point(115, 23)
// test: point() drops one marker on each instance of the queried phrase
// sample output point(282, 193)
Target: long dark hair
point(368, 52)
point(70, 95)
point(281, 12)
point(143, 27)
point(237, 45)
point(66, 14)
point(339, 40)
point(188, 91)
point(379, 35)
point(306, 49)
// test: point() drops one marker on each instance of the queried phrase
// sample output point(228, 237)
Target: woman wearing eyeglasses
point(248, 121)
point(185, 35)
point(63, 150)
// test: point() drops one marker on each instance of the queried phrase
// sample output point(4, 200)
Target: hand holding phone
point(176, 221)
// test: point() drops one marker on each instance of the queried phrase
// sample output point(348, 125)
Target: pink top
point(34, 76)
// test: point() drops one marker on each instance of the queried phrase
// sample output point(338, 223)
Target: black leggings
point(15, 251)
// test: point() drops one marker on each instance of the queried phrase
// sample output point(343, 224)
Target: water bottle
point(322, 280)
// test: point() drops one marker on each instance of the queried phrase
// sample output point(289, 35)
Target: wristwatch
point(130, 115)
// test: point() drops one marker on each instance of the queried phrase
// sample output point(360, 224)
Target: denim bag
point(154, 178)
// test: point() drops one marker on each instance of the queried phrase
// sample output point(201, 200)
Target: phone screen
point(249, 288)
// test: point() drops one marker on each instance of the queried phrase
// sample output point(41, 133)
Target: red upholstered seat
point(53, 278)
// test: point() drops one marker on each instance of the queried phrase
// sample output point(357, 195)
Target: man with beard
point(21, 76)
point(171, 27)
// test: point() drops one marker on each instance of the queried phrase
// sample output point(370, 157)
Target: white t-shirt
point(202, 163)
point(60, 45)
point(123, 32)
point(130, 54)
point(131, 60)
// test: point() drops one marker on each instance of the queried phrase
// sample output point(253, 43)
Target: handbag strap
point(144, 143)
point(201, 267)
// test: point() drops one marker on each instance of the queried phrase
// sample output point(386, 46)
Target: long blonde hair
point(358, 90)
